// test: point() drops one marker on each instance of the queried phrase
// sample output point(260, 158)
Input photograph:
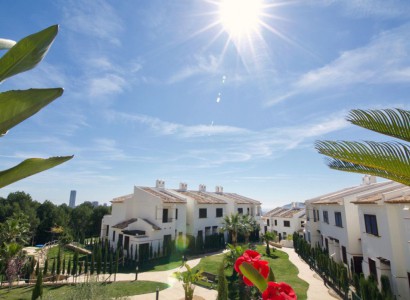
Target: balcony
point(167, 220)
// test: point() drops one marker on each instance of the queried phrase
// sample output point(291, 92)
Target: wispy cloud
point(96, 18)
point(384, 60)
point(108, 84)
point(215, 145)
point(201, 65)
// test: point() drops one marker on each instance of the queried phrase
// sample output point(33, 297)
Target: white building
point(385, 236)
point(152, 216)
point(367, 228)
point(285, 220)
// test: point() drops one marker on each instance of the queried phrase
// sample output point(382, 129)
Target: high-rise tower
point(73, 194)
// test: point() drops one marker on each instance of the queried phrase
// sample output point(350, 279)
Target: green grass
point(110, 290)
point(283, 269)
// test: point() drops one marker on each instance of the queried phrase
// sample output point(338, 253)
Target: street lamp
point(136, 273)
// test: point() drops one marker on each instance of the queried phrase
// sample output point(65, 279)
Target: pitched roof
point(152, 224)
point(203, 197)
point(122, 198)
point(400, 199)
point(239, 199)
point(281, 212)
point(338, 197)
point(164, 195)
point(372, 198)
point(124, 224)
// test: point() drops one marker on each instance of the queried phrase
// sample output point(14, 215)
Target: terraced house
point(153, 216)
point(366, 228)
point(285, 220)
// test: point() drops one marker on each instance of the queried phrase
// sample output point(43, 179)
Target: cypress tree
point(99, 260)
point(92, 264)
point(110, 266)
point(150, 251)
point(53, 268)
point(222, 284)
point(38, 288)
point(63, 272)
point(86, 264)
point(117, 258)
point(80, 267)
point(136, 253)
point(159, 250)
point(69, 267)
point(59, 262)
point(45, 267)
point(75, 264)
point(105, 257)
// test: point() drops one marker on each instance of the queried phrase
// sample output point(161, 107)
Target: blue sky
point(160, 90)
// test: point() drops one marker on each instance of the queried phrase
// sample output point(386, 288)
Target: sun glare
point(240, 17)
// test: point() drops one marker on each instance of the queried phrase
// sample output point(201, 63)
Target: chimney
point(368, 179)
point(202, 188)
point(160, 184)
point(219, 189)
point(183, 187)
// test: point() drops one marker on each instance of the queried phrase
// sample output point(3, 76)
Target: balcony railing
point(167, 220)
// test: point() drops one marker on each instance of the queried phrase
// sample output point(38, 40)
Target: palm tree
point(390, 160)
point(268, 237)
point(248, 225)
point(232, 224)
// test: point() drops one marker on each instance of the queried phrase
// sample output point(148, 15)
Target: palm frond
point(389, 156)
point(341, 165)
point(391, 122)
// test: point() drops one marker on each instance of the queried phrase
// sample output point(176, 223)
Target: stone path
point(317, 289)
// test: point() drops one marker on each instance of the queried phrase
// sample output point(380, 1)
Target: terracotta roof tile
point(240, 199)
point(165, 196)
point(122, 198)
point(398, 200)
point(124, 224)
point(203, 197)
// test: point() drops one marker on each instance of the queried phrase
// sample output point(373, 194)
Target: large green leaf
point(29, 167)
point(27, 53)
point(254, 276)
point(16, 106)
point(392, 122)
point(386, 159)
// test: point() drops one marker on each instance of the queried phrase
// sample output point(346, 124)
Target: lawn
point(99, 290)
point(283, 269)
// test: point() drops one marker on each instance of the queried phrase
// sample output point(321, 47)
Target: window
point(219, 212)
point(113, 236)
point(286, 223)
point(370, 222)
point(276, 222)
point(207, 230)
point(202, 213)
point(284, 235)
point(107, 230)
point(317, 212)
point(338, 219)
point(214, 229)
point(165, 215)
point(268, 222)
point(344, 255)
point(247, 210)
point(120, 237)
point(176, 213)
point(240, 210)
point(325, 217)
point(372, 268)
point(314, 215)
point(127, 243)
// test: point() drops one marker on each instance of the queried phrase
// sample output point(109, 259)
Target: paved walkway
point(317, 289)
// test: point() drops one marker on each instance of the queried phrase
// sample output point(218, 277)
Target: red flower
point(252, 257)
point(279, 291)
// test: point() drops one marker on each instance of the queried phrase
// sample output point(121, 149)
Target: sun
point(240, 18)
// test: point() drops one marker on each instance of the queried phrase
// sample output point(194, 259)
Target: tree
point(268, 237)
point(248, 225)
point(232, 224)
point(222, 283)
point(18, 105)
point(390, 160)
point(189, 278)
point(38, 288)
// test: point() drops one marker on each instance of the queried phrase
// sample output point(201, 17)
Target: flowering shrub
point(256, 272)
